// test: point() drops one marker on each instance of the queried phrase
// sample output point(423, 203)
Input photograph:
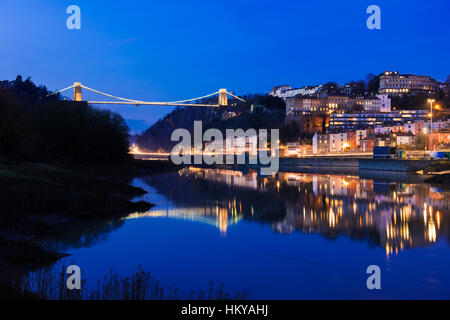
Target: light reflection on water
point(289, 236)
point(396, 215)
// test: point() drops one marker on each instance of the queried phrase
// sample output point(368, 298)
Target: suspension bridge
point(78, 96)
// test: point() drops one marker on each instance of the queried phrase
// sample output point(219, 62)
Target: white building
point(279, 91)
point(385, 103)
point(321, 143)
point(338, 142)
point(380, 103)
point(406, 139)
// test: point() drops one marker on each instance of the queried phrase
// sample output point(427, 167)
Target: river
point(291, 236)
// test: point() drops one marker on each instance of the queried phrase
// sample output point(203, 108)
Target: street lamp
point(425, 131)
point(431, 101)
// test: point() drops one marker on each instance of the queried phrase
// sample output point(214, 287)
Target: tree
point(358, 88)
point(373, 83)
point(37, 128)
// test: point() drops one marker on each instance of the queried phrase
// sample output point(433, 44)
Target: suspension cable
point(53, 93)
point(109, 95)
point(236, 97)
point(208, 95)
point(143, 102)
point(138, 101)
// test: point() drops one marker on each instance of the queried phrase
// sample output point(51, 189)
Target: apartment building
point(301, 105)
point(395, 84)
point(361, 134)
point(380, 103)
point(336, 104)
point(404, 138)
point(330, 104)
point(367, 144)
point(321, 143)
point(354, 121)
point(338, 142)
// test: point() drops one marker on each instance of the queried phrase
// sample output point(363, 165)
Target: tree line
point(38, 127)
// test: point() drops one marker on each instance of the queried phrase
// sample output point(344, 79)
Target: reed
point(49, 283)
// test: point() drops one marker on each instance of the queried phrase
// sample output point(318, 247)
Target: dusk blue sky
point(169, 50)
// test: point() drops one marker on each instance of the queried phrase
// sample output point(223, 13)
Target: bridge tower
point(77, 96)
point(223, 99)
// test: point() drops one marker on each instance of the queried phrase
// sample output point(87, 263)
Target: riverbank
point(46, 200)
point(366, 164)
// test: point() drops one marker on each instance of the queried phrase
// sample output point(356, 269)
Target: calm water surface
point(286, 237)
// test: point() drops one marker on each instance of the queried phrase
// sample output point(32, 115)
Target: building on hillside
point(339, 104)
point(361, 134)
point(321, 143)
point(441, 137)
point(371, 104)
point(385, 103)
point(395, 84)
point(304, 105)
point(405, 138)
point(279, 91)
point(367, 144)
point(385, 140)
point(339, 142)
point(420, 126)
point(336, 104)
point(356, 121)
point(328, 105)
point(394, 128)
point(351, 141)
point(380, 103)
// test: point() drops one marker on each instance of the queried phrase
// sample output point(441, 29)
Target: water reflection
point(395, 216)
point(219, 217)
